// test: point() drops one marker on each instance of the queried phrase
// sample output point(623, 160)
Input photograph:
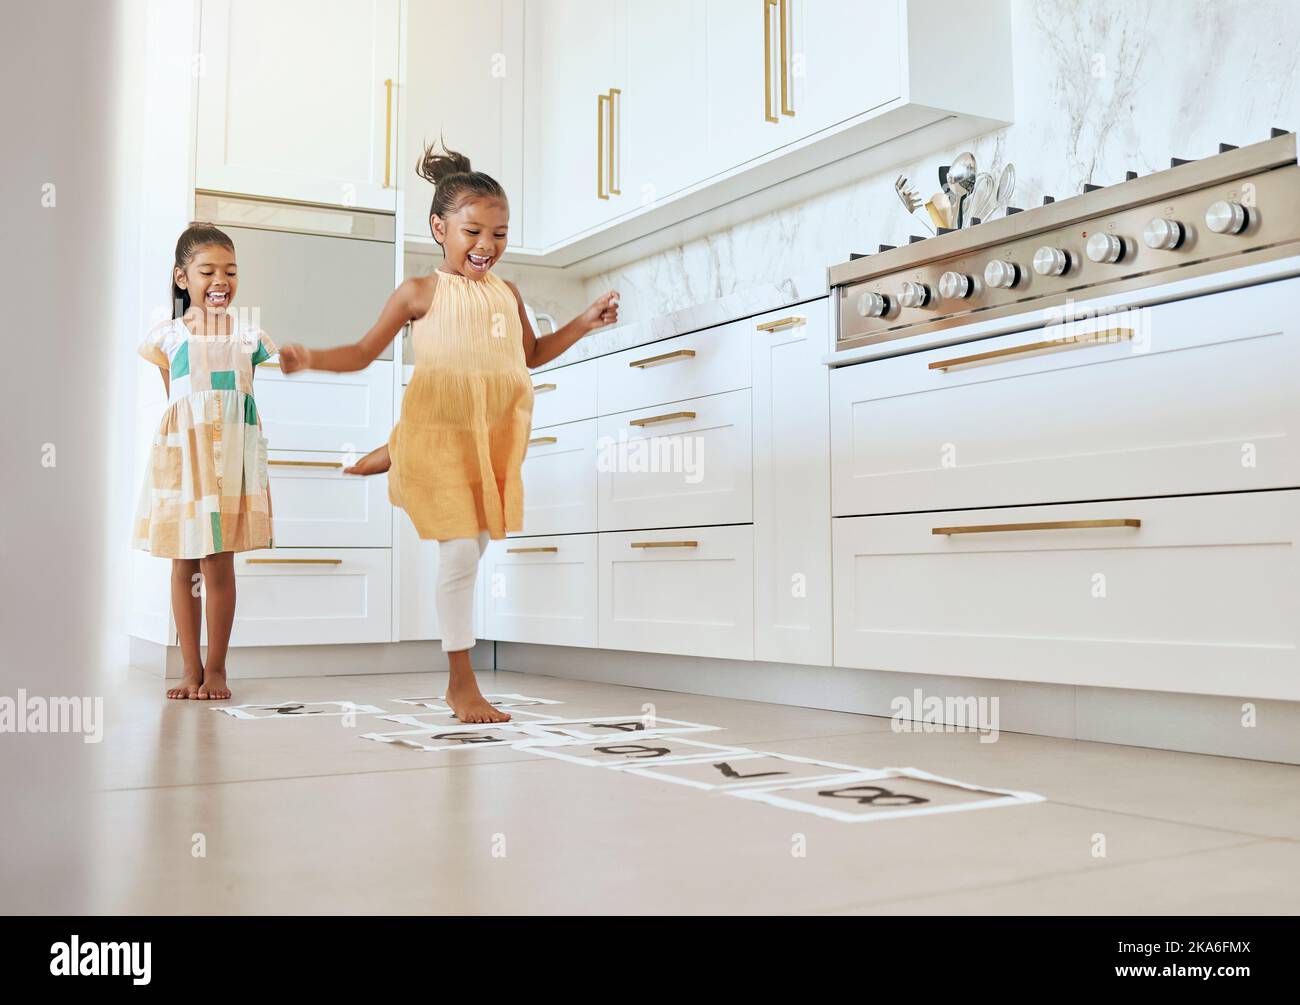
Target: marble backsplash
point(1102, 87)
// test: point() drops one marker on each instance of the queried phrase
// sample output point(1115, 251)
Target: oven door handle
point(1107, 336)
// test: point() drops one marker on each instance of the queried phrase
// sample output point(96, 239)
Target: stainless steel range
point(1233, 209)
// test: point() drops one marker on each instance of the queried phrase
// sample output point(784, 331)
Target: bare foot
point(190, 683)
point(374, 463)
point(467, 704)
point(214, 686)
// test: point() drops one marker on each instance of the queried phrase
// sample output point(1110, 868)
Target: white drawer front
point(542, 590)
point(418, 585)
point(677, 470)
point(1201, 400)
point(311, 596)
point(697, 600)
point(706, 362)
point(565, 394)
point(337, 412)
point(1202, 597)
point(315, 505)
point(559, 474)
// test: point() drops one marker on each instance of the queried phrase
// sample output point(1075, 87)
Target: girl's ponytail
point(197, 235)
point(454, 180)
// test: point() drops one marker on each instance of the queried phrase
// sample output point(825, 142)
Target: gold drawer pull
point(294, 561)
point(666, 417)
point(307, 464)
point(665, 358)
point(526, 551)
point(1109, 335)
point(269, 362)
point(388, 132)
point(998, 528)
point(779, 323)
point(665, 544)
point(539, 388)
point(541, 439)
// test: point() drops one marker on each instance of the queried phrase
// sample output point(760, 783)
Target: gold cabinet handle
point(388, 132)
point(768, 114)
point(1104, 337)
point(665, 544)
point(666, 417)
point(787, 106)
point(541, 439)
point(270, 362)
point(307, 464)
point(539, 388)
point(779, 323)
point(294, 561)
point(615, 148)
point(667, 357)
point(527, 551)
point(998, 528)
point(601, 114)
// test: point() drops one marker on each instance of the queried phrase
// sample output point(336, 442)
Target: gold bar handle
point(667, 357)
point(787, 105)
point(539, 388)
point(779, 323)
point(307, 464)
point(666, 417)
point(541, 439)
point(615, 165)
point(601, 114)
point(527, 551)
point(294, 561)
point(665, 544)
point(269, 362)
point(998, 528)
point(1104, 337)
point(388, 132)
point(768, 115)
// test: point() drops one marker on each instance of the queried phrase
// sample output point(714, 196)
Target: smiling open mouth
point(479, 263)
point(217, 298)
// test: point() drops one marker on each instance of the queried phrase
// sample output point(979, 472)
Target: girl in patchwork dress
point(205, 495)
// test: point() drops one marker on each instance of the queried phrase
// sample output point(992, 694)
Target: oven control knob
point(1051, 262)
point(1001, 275)
point(1162, 234)
point(1227, 218)
point(955, 286)
point(873, 305)
point(913, 294)
point(1104, 248)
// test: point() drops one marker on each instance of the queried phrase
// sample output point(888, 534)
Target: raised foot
point(213, 687)
point(468, 705)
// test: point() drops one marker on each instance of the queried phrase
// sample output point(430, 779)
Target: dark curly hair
point(454, 181)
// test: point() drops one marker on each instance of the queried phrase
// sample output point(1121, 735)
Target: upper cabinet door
point(299, 102)
point(665, 115)
point(580, 47)
point(742, 81)
point(456, 92)
point(845, 59)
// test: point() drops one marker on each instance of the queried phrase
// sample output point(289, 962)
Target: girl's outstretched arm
point(402, 306)
point(542, 350)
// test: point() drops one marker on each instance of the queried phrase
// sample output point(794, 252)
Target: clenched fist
point(294, 357)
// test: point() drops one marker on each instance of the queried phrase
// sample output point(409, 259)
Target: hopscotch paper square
point(439, 703)
point(432, 719)
point(296, 709)
point(603, 726)
point(459, 737)
point(885, 794)
point(620, 752)
point(746, 770)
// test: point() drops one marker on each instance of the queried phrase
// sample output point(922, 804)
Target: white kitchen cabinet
point(542, 590)
point(313, 596)
point(344, 414)
point(687, 591)
point(559, 476)
point(682, 464)
point(1199, 594)
point(315, 505)
point(1195, 395)
point(688, 366)
point(299, 102)
point(792, 522)
point(417, 586)
point(565, 394)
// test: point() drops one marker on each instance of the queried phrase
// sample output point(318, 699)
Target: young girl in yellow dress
point(205, 496)
point(454, 458)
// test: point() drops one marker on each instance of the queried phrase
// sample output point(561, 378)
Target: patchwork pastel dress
point(206, 488)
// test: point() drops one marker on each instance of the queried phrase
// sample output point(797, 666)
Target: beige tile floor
point(305, 816)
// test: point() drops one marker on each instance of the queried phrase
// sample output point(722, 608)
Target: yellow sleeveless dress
point(467, 413)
